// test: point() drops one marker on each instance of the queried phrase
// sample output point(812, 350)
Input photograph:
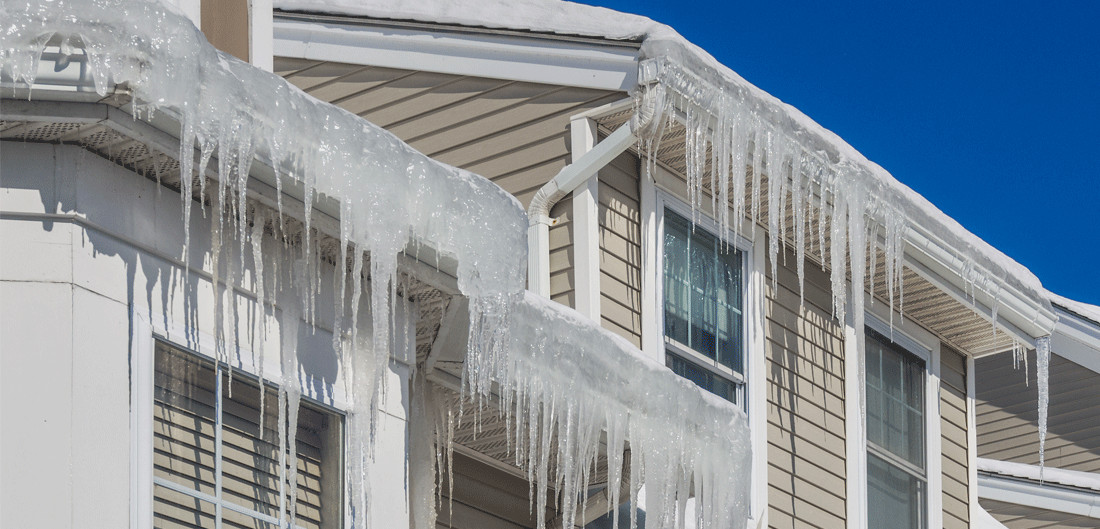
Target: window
point(205, 430)
point(896, 470)
point(702, 308)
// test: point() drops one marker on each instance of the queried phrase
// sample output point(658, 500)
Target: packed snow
point(565, 383)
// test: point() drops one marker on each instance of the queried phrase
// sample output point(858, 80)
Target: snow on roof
point(1084, 310)
point(1069, 478)
point(662, 42)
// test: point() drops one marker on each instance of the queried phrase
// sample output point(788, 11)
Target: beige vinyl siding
point(184, 451)
point(1007, 413)
point(805, 374)
point(620, 239)
point(953, 424)
point(226, 26)
point(562, 275)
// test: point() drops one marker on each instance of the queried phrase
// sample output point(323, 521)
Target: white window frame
point(655, 197)
point(668, 202)
point(924, 345)
point(144, 338)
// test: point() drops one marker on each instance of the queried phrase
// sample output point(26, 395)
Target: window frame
point(924, 345)
point(144, 339)
point(658, 190)
point(667, 201)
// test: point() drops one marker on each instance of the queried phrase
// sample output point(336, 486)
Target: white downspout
point(568, 179)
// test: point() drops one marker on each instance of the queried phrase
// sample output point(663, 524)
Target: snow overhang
point(493, 53)
point(62, 107)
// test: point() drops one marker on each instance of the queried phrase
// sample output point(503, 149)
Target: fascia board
point(1030, 494)
point(555, 62)
point(1076, 340)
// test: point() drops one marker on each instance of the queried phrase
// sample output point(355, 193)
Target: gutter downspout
point(568, 179)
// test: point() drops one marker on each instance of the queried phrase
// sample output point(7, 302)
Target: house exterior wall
point(90, 251)
point(805, 377)
point(1007, 413)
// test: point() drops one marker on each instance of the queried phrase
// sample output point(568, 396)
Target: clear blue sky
point(991, 110)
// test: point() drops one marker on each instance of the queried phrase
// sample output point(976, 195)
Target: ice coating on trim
point(566, 380)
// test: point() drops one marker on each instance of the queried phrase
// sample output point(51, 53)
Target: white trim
point(1030, 494)
point(142, 349)
point(555, 62)
point(1076, 340)
point(971, 442)
point(261, 35)
point(652, 235)
point(586, 224)
point(855, 431)
point(754, 313)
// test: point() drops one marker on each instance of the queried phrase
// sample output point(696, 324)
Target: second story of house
point(720, 235)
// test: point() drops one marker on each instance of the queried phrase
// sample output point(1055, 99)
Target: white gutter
point(1028, 493)
point(568, 179)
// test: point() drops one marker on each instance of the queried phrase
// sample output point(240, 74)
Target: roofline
point(1029, 493)
point(561, 60)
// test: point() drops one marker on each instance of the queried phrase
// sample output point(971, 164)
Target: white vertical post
point(261, 35)
point(652, 333)
point(586, 224)
point(855, 431)
point(756, 313)
point(934, 464)
point(971, 442)
point(538, 261)
point(141, 421)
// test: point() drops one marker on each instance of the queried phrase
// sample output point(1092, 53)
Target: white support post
point(755, 316)
point(261, 35)
point(971, 442)
point(586, 224)
point(652, 333)
point(854, 430)
point(934, 438)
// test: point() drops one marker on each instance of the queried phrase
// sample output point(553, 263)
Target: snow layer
point(1071, 478)
point(1091, 312)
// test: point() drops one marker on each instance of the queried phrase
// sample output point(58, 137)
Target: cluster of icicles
point(538, 362)
point(729, 133)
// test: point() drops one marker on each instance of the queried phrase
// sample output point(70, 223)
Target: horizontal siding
point(484, 498)
point(953, 424)
point(562, 277)
point(620, 236)
point(805, 373)
point(1007, 413)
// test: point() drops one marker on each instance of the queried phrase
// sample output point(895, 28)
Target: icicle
point(257, 238)
point(1042, 376)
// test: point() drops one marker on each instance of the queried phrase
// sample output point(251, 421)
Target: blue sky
point(991, 110)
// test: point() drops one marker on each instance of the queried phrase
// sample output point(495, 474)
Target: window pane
point(702, 377)
point(185, 444)
point(895, 400)
point(895, 498)
point(702, 292)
